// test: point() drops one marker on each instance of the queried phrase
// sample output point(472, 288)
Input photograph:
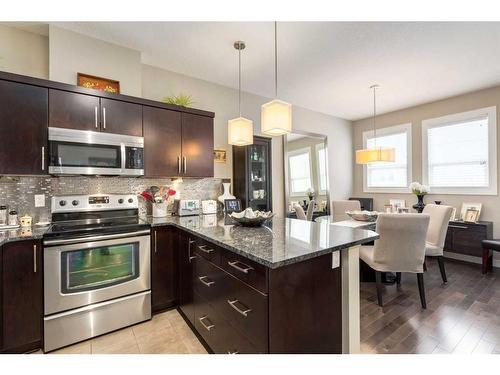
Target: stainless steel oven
point(76, 152)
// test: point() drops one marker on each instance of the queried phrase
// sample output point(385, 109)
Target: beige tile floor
point(166, 333)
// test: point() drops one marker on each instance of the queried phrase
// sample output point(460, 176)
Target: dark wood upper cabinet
point(121, 117)
point(162, 142)
point(197, 145)
point(164, 280)
point(73, 111)
point(22, 296)
point(23, 128)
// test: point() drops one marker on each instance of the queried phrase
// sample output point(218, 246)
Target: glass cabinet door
point(258, 175)
point(99, 267)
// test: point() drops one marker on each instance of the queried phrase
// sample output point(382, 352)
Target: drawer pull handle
point(207, 327)
point(230, 352)
point(242, 267)
point(205, 250)
point(458, 226)
point(243, 312)
point(192, 257)
point(208, 283)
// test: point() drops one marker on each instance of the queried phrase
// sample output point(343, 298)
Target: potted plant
point(158, 197)
point(420, 191)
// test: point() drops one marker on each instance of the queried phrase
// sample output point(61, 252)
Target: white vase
point(226, 194)
point(159, 209)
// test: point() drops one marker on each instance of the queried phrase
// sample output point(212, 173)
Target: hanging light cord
point(239, 80)
point(374, 87)
point(275, 59)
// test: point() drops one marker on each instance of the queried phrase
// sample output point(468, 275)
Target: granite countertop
point(278, 243)
point(19, 234)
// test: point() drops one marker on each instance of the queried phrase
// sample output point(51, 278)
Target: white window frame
point(318, 147)
point(491, 112)
point(299, 152)
point(390, 130)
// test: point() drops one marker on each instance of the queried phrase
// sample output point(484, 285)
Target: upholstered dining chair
point(440, 216)
point(401, 248)
point(300, 212)
point(310, 210)
point(341, 206)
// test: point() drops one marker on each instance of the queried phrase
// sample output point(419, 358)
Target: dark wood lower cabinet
point(187, 260)
point(164, 268)
point(21, 296)
point(465, 238)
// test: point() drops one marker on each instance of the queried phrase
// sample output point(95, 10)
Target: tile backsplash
point(19, 192)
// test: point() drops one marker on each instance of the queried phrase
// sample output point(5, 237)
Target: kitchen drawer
point(207, 250)
point(209, 280)
point(249, 272)
point(245, 309)
point(217, 332)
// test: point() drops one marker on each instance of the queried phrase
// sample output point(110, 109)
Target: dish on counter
point(251, 218)
point(363, 215)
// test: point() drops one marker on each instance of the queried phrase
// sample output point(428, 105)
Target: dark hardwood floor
point(462, 316)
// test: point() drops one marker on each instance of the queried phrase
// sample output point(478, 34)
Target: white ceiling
point(323, 66)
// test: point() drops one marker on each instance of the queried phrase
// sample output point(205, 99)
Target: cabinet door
point(197, 145)
point(186, 269)
point(162, 142)
point(22, 296)
point(164, 268)
point(23, 128)
point(121, 117)
point(73, 111)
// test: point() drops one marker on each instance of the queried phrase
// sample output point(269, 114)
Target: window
point(299, 162)
point(459, 153)
point(389, 177)
point(322, 168)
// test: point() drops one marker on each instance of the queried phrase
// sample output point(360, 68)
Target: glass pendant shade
point(276, 118)
point(240, 131)
point(374, 155)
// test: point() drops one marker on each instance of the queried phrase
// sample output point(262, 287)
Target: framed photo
point(466, 206)
point(219, 155)
point(232, 205)
point(471, 215)
point(387, 208)
point(397, 203)
point(453, 214)
point(98, 83)
point(403, 210)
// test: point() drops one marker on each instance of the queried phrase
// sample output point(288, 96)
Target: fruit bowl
point(369, 216)
point(251, 218)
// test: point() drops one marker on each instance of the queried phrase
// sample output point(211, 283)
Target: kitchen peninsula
point(291, 286)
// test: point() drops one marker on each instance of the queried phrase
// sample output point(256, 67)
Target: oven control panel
point(95, 202)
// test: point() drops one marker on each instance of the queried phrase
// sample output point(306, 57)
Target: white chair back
point(401, 247)
point(300, 212)
point(341, 206)
point(310, 210)
point(438, 224)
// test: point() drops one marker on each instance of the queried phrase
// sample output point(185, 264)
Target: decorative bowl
point(363, 215)
point(251, 222)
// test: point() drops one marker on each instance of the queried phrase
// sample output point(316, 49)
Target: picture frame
point(232, 205)
point(471, 215)
point(220, 155)
point(397, 203)
point(387, 208)
point(470, 205)
point(453, 214)
point(98, 83)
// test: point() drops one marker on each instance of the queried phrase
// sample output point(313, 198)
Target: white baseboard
point(469, 258)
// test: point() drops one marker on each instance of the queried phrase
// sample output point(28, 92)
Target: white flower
point(417, 188)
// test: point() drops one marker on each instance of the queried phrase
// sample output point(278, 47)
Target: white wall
point(23, 52)
point(70, 53)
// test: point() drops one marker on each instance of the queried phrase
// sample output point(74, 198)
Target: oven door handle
point(96, 238)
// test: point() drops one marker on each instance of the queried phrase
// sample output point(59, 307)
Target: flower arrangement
point(155, 194)
point(418, 189)
point(311, 194)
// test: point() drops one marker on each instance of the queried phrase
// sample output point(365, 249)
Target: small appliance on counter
point(208, 207)
point(186, 207)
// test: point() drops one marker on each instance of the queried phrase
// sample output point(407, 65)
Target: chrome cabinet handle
point(243, 312)
point(43, 158)
point(104, 117)
point(230, 352)
point(95, 116)
point(210, 324)
point(191, 257)
point(34, 258)
point(208, 283)
point(236, 265)
point(458, 226)
point(179, 164)
point(205, 250)
point(185, 164)
point(156, 249)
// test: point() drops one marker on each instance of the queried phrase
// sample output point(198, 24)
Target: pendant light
point(375, 154)
point(276, 115)
point(240, 129)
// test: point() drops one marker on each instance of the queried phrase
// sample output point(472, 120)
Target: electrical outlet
point(335, 259)
point(39, 200)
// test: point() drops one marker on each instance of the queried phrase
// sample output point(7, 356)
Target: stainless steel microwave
point(83, 152)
